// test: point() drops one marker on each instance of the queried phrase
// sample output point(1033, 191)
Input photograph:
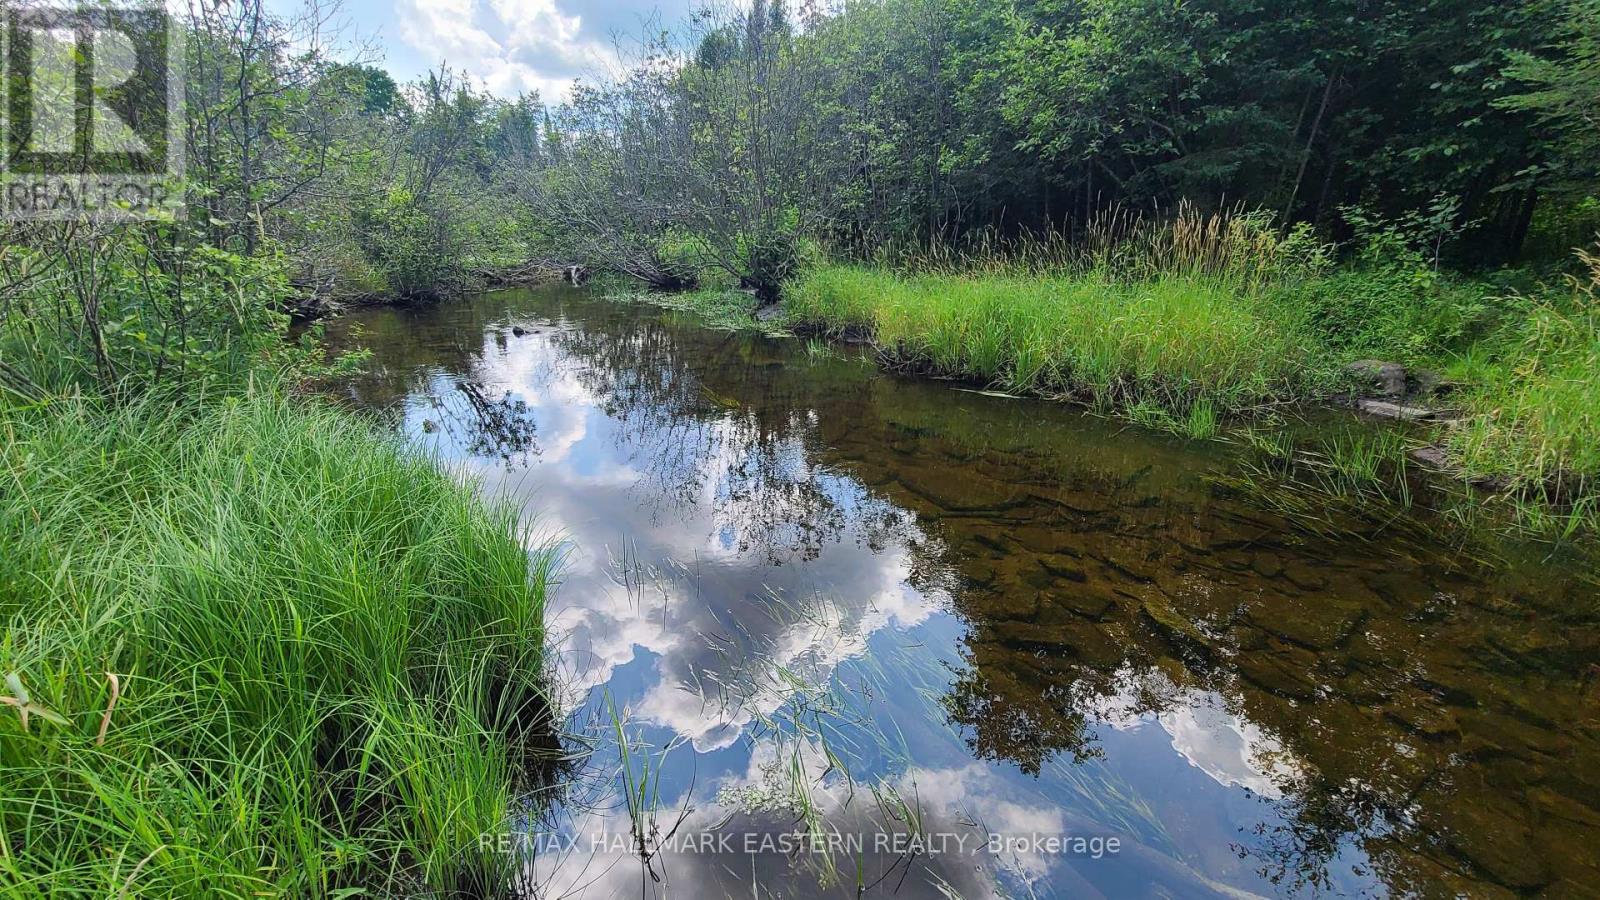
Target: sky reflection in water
point(830, 601)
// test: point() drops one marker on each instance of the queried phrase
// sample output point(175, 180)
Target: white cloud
point(509, 46)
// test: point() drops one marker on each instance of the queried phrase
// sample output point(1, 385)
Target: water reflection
point(814, 598)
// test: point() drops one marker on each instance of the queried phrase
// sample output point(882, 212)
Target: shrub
point(136, 309)
point(412, 244)
point(1392, 310)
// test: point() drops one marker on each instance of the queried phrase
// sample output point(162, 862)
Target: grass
point(721, 309)
point(1194, 323)
point(1540, 402)
point(266, 652)
point(1203, 322)
point(1187, 345)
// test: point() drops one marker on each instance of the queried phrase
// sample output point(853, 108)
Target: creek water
point(825, 631)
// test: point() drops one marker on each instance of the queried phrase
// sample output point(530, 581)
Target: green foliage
point(133, 310)
point(325, 651)
point(1563, 92)
point(1395, 302)
point(410, 246)
point(1393, 312)
point(771, 258)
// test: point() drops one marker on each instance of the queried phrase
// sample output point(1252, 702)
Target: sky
point(508, 46)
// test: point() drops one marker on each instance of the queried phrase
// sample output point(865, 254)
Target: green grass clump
point(720, 309)
point(313, 656)
point(1191, 345)
point(1537, 408)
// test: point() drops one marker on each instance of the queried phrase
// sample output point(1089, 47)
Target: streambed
point(831, 632)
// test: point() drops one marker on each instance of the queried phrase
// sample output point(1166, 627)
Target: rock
point(519, 331)
point(1496, 840)
point(1430, 721)
point(1088, 602)
point(1385, 379)
point(1178, 631)
point(1304, 577)
point(1267, 565)
point(1397, 411)
point(1432, 456)
point(1031, 638)
point(769, 313)
point(428, 427)
point(1286, 672)
point(1066, 571)
point(1320, 626)
point(1428, 383)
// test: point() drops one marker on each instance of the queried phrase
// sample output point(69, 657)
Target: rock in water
point(1397, 411)
point(1385, 379)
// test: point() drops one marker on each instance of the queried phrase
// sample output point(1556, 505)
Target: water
point(829, 631)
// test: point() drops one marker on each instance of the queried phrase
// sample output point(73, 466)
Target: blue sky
point(508, 46)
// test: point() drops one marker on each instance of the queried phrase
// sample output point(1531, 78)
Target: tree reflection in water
point(1372, 710)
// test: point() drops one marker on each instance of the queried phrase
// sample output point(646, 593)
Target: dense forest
point(1196, 214)
point(1464, 128)
point(929, 121)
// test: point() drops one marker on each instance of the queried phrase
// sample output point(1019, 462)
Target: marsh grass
point(1171, 320)
point(1348, 462)
point(328, 654)
point(1197, 323)
point(1190, 346)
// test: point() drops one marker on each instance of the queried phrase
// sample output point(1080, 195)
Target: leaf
point(47, 715)
point(14, 682)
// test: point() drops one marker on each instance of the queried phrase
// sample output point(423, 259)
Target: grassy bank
point(253, 649)
point(1187, 347)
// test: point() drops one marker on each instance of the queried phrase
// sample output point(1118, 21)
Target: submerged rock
point(1398, 411)
point(1173, 626)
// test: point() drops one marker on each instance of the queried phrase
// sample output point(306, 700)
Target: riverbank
point(1501, 375)
point(1513, 389)
point(255, 647)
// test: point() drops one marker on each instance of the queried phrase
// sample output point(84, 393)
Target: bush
point(326, 651)
point(137, 309)
point(1391, 310)
point(412, 245)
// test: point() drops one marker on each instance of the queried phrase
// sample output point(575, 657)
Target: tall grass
point(1173, 341)
point(1166, 319)
point(315, 659)
point(1537, 403)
